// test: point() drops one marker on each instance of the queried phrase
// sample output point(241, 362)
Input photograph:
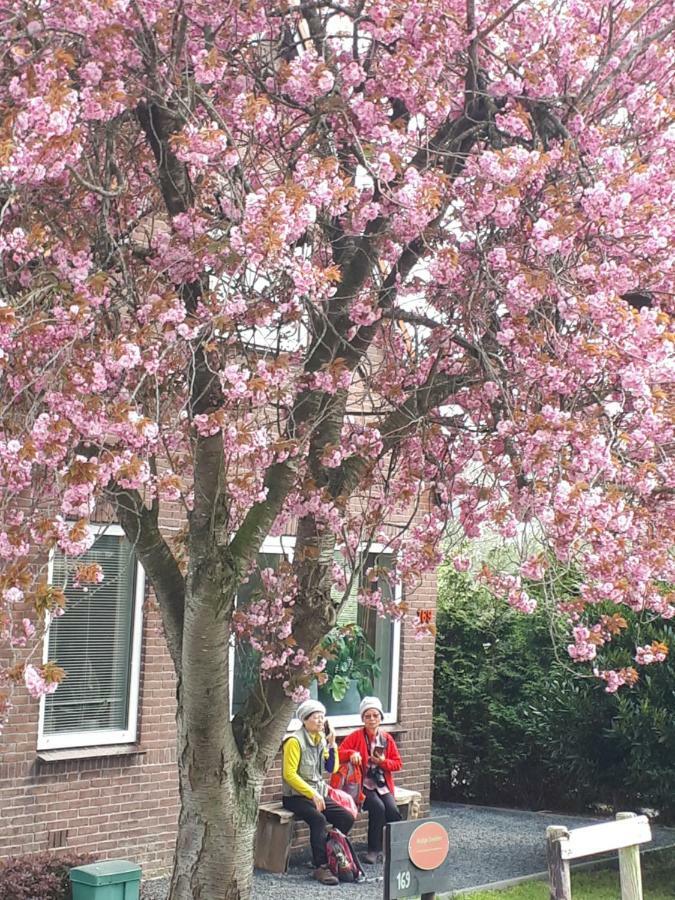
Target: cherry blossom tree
point(356, 270)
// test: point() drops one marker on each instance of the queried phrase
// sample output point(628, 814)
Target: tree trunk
point(216, 830)
point(219, 790)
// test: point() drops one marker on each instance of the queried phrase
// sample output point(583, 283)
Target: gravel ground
point(486, 845)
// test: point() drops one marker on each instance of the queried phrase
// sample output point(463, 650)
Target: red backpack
point(348, 778)
point(342, 861)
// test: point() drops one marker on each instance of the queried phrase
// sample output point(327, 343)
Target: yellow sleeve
point(290, 763)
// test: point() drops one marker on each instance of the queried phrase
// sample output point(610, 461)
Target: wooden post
point(558, 868)
point(629, 867)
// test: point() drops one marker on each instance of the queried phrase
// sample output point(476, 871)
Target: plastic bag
point(345, 801)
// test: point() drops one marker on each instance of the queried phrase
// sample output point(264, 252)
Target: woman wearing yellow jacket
point(306, 754)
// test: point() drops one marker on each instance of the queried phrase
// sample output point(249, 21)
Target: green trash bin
point(114, 879)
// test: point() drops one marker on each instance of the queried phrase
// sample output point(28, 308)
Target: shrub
point(42, 876)
point(513, 724)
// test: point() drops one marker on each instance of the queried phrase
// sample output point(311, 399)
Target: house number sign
point(416, 858)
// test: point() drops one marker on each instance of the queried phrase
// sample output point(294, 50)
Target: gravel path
point(486, 845)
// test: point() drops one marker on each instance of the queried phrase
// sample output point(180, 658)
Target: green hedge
point(513, 725)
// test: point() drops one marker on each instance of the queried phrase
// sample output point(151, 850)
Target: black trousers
point(337, 815)
point(381, 808)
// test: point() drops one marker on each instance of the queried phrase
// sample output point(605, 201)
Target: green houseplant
point(350, 660)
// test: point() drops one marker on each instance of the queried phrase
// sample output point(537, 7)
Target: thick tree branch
point(142, 530)
point(396, 314)
point(400, 424)
point(159, 123)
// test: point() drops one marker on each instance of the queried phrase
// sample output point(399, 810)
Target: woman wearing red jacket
point(376, 755)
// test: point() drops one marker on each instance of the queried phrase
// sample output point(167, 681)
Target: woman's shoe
point(323, 875)
point(370, 858)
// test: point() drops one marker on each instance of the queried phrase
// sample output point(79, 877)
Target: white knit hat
point(308, 707)
point(370, 703)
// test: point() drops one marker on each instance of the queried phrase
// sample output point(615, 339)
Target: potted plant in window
point(351, 669)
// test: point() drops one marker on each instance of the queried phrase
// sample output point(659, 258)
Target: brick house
point(92, 768)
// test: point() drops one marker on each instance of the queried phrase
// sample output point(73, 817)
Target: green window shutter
point(93, 642)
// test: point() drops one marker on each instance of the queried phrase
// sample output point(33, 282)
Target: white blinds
point(93, 642)
point(349, 612)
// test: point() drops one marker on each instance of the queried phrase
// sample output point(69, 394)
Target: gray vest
point(310, 768)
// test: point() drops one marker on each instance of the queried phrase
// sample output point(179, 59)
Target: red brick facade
point(126, 805)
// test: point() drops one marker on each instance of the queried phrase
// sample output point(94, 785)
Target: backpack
point(342, 861)
point(348, 779)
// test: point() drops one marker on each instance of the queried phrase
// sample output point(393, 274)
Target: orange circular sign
point(428, 845)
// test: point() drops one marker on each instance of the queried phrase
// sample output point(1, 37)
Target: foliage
point(349, 657)
point(658, 877)
point(43, 876)
point(512, 724)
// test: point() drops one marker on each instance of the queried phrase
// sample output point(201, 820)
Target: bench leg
point(273, 842)
point(410, 809)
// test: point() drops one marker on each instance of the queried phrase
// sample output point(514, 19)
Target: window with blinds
point(97, 642)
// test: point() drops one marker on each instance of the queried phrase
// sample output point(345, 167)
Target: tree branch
point(396, 314)
point(399, 424)
point(142, 530)
point(158, 124)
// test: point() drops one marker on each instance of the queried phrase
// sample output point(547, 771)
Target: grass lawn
point(658, 882)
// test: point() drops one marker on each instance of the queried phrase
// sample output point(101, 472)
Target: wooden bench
point(276, 826)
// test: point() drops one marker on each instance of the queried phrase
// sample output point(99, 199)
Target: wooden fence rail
point(625, 834)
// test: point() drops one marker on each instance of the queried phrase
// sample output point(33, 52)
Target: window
point(97, 641)
point(243, 658)
point(381, 634)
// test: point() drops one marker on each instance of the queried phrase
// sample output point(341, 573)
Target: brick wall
point(122, 806)
point(126, 806)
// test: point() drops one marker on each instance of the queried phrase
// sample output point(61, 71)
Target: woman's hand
point(330, 737)
point(355, 758)
point(319, 802)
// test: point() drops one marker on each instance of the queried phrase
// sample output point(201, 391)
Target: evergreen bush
point(515, 724)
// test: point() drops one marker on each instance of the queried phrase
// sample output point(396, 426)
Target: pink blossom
point(378, 305)
point(533, 568)
point(651, 654)
point(36, 685)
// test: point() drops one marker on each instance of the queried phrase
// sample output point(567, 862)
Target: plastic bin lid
point(111, 871)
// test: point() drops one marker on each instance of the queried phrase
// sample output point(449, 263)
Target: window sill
point(393, 728)
point(68, 753)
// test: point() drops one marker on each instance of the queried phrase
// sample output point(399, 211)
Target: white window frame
point(285, 545)
point(100, 738)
